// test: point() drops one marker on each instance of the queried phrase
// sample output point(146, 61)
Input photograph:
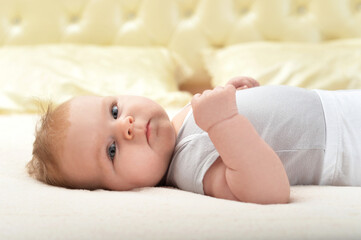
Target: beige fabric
point(331, 66)
point(31, 36)
point(184, 26)
point(32, 210)
point(30, 75)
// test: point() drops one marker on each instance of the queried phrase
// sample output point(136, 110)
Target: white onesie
point(294, 122)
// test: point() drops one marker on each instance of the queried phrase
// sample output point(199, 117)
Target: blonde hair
point(50, 133)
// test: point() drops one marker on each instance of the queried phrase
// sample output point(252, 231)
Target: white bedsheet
point(32, 210)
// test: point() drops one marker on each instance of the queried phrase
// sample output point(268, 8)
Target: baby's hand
point(243, 82)
point(214, 106)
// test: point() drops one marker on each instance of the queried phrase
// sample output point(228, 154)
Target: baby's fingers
point(241, 82)
point(197, 95)
point(196, 99)
point(230, 88)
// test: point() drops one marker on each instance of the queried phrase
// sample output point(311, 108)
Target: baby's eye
point(114, 111)
point(111, 151)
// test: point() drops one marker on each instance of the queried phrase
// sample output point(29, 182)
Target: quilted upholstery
point(185, 26)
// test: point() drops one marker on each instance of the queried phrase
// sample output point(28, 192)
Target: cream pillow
point(333, 65)
point(29, 74)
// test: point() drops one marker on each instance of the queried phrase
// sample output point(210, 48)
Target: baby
point(247, 145)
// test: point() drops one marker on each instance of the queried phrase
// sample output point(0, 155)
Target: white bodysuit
point(305, 128)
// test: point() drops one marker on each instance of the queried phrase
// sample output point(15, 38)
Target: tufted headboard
point(184, 26)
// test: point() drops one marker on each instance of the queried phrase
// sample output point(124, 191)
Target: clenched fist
point(214, 106)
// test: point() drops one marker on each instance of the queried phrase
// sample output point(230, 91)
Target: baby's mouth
point(147, 131)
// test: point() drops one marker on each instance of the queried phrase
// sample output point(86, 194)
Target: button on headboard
point(184, 26)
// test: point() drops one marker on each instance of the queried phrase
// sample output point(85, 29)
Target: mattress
point(32, 210)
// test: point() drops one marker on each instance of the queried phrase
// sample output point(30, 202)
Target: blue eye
point(114, 111)
point(111, 151)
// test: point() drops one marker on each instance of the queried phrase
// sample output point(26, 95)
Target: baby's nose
point(128, 130)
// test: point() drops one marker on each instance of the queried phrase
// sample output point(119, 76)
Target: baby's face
point(116, 143)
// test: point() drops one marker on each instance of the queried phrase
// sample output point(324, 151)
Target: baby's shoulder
point(178, 119)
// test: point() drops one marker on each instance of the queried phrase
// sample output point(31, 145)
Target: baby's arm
point(254, 172)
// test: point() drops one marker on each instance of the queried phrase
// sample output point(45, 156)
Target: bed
point(166, 50)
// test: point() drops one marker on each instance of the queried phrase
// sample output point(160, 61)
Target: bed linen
point(32, 210)
point(31, 76)
point(330, 65)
